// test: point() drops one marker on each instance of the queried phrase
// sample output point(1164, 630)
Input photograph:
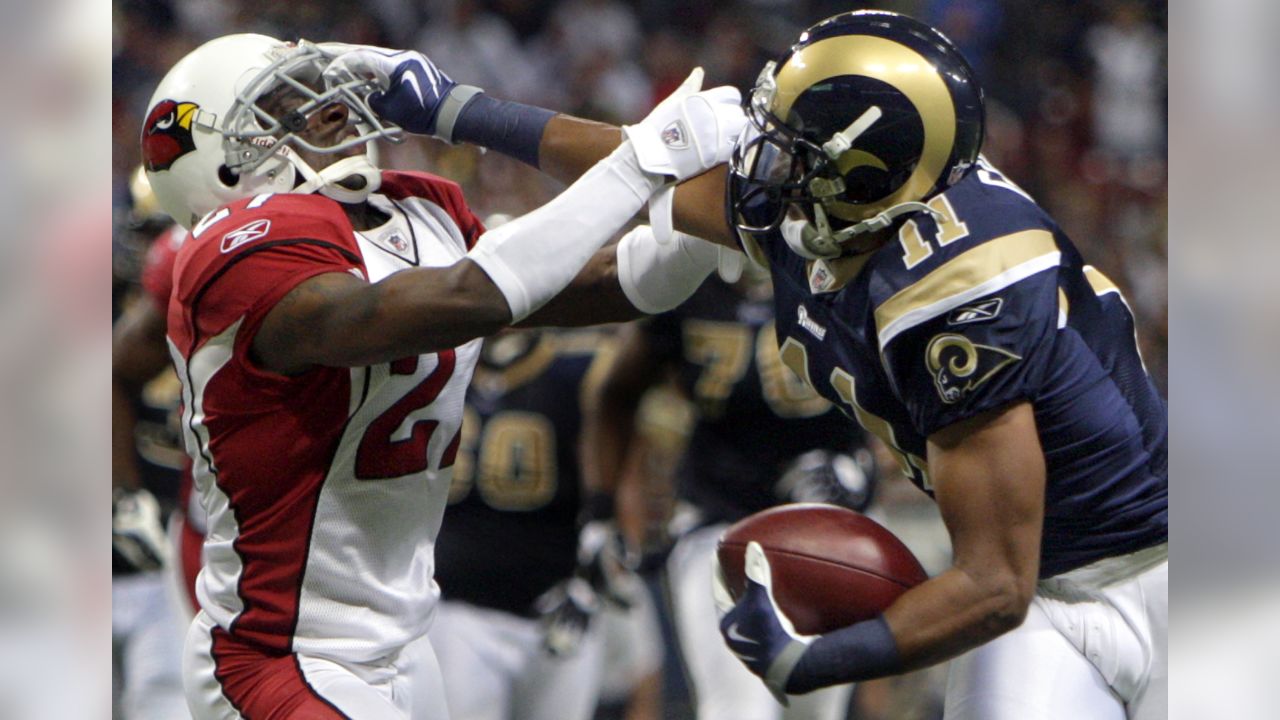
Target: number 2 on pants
point(379, 457)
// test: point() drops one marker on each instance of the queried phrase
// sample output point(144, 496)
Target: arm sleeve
point(984, 354)
point(445, 193)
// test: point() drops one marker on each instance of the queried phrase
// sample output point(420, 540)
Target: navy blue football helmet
point(866, 117)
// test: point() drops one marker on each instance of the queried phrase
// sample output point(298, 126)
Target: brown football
point(832, 567)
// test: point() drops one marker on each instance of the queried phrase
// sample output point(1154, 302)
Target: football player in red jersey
point(325, 322)
point(931, 298)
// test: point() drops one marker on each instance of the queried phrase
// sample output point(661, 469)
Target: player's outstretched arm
point(423, 99)
point(989, 478)
point(511, 272)
point(635, 277)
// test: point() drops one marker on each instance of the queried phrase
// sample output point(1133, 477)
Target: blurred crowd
point(1076, 91)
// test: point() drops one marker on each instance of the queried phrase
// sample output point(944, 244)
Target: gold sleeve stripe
point(989, 267)
point(1101, 283)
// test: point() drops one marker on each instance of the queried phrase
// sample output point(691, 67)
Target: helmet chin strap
point(326, 181)
point(822, 241)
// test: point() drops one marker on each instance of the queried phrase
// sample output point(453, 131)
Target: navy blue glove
point(756, 631)
point(417, 95)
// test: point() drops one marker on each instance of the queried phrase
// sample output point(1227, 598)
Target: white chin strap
point(821, 241)
point(326, 182)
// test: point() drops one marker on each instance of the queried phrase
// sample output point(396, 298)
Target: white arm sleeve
point(533, 257)
point(657, 278)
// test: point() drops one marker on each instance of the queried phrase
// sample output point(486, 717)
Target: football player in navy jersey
point(936, 303)
point(761, 438)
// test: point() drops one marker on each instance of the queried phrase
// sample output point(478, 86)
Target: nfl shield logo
point(673, 136)
point(398, 242)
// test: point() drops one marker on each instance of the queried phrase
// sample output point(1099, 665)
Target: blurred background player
point(526, 561)
point(140, 350)
point(147, 622)
point(761, 438)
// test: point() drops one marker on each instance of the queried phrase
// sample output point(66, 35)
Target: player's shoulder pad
point(249, 225)
point(447, 194)
point(238, 225)
point(925, 274)
point(399, 185)
point(990, 204)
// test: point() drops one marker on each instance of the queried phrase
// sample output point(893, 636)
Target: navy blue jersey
point(991, 305)
point(754, 415)
point(510, 531)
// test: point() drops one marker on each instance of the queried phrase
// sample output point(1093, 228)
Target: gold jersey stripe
point(1100, 283)
point(983, 270)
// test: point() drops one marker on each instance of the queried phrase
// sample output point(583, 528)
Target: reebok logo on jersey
point(247, 233)
point(674, 136)
point(808, 323)
point(978, 312)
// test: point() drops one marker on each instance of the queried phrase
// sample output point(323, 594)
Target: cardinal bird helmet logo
point(166, 135)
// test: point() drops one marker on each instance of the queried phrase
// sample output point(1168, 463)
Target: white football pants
point(227, 680)
point(495, 667)
point(1095, 645)
point(149, 638)
point(722, 687)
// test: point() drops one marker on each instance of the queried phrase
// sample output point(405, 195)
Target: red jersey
point(324, 490)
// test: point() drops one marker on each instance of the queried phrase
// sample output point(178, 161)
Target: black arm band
point(511, 128)
point(861, 651)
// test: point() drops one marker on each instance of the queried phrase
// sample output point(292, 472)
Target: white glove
point(689, 132)
point(605, 563)
point(137, 531)
point(565, 612)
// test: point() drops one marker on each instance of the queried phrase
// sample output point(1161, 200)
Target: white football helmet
point(206, 141)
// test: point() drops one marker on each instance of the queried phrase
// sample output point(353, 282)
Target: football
point(832, 567)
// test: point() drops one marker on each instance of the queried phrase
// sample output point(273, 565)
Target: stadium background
point(1076, 99)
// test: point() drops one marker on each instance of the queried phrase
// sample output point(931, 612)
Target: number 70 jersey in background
point(324, 490)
